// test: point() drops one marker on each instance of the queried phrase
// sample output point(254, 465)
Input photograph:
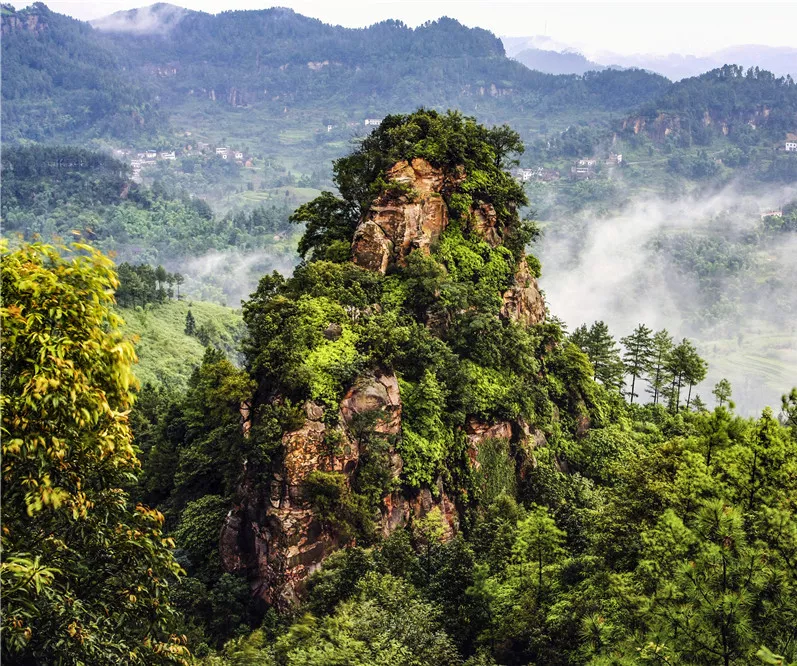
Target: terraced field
point(760, 365)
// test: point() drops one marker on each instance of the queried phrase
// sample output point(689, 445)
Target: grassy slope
point(167, 356)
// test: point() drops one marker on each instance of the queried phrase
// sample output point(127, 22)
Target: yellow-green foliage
point(329, 361)
point(425, 438)
point(85, 574)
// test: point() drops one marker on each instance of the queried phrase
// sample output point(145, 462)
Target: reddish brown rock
point(399, 510)
point(377, 393)
point(523, 302)
point(484, 222)
point(477, 432)
point(410, 216)
point(273, 535)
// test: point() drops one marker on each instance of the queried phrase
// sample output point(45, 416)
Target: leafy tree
point(85, 573)
point(538, 543)
point(639, 355)
point(387, 622)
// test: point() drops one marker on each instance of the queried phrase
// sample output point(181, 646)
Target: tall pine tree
point(639, 355)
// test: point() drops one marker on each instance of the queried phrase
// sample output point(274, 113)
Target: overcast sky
point(638, 27)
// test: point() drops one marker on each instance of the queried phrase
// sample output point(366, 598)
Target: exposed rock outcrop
point(405, 217)
point(478, 431)
point(273, 535)
point(484, 222)
point(523, 302)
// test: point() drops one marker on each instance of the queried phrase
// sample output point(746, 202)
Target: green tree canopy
point(85, 574)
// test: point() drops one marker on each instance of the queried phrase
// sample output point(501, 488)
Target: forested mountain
point(728, 101)
point(133, 67)
point(62, 79)
point(415, 463)
point(59, 191)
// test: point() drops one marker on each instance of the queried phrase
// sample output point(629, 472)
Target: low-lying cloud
point(628, 268)
point(230, 276)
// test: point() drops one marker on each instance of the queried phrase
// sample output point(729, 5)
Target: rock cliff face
point(273, 535)
point(411, 215)
point(523, 302)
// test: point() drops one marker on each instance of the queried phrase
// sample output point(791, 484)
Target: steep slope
point(402, 358)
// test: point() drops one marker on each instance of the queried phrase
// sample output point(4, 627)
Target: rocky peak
point(409, 216)
point(523, 302)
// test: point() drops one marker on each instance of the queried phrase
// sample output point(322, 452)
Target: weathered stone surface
point(478, 431)
point(530, 437)
point(399, 510)
point(523, 302)
point(377, 393)
point(484, 222)
point(273, 536)
point(402, 219)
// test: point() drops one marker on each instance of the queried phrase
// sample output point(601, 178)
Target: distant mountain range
point(547, 55)
point(122, 76)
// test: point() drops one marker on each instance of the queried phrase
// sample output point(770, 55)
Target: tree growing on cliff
point(85, 574)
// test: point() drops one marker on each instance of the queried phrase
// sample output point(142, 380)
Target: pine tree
point(639, 355)
point(178, 280)
point(695, 373)
point(190, 324)
point(662, 346)
point(685, 367)
point(602, 351)
point(722, 391)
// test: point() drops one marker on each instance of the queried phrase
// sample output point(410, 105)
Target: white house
point(167, 155)
point(239, 155)
point(222, 151)
point(790, 146)
point(373, 122)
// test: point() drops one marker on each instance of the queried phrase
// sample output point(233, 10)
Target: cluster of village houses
point(368, 122)
point(140, 160)
point(582, 169)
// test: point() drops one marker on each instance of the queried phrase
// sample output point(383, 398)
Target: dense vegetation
point(86, 571)
point(611, 528)
point(235, 56)
point(62, 79)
